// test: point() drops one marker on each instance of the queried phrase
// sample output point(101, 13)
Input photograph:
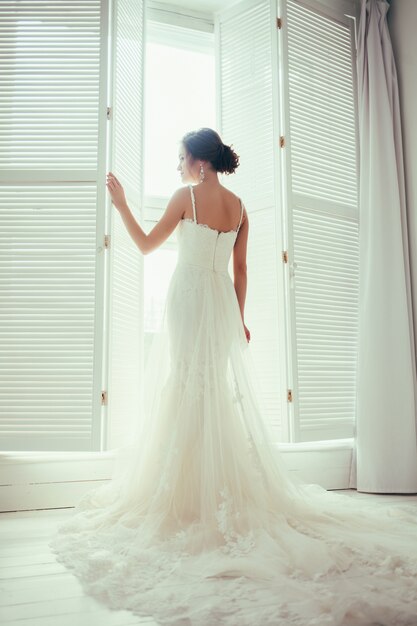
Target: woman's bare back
point(217, 207)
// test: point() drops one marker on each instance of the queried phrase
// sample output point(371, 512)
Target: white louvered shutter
point(247, 80)
point(52, 138)
point(126, 261)
point(322, 185)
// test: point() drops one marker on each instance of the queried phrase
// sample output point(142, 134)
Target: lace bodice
point(201, 245)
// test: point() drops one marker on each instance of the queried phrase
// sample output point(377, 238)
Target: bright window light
point(159, 268)
point(179, 96)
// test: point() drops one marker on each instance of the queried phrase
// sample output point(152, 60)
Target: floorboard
point(36, 590)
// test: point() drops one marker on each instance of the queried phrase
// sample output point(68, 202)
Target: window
point(179, 96)
point(55, 309)
point(159, 267)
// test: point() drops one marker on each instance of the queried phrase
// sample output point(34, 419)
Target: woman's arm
point(161, 231)
point(240, 269)
point(240, 283)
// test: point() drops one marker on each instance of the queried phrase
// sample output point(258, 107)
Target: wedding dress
point(202, 523)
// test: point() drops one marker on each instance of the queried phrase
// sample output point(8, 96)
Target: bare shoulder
point(229, 194)
point(233, 197)
point(180, 194)
point(178, 201)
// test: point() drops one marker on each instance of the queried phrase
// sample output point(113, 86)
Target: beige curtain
point(385, 455)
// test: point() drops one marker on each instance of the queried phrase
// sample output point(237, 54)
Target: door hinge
point(279, 22)
point(107, 241)
point(109, 113)
point(285, 256)
point(289, 395)
point(282, 141)
point(104, 398)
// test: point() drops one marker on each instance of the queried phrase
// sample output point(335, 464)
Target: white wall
point(402, 21)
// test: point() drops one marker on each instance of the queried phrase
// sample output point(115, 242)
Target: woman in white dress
point(201, 523)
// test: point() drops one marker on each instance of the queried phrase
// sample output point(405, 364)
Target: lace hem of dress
point(161, 581)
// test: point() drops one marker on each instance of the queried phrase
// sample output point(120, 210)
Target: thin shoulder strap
point(241, 213)
point(193, 201)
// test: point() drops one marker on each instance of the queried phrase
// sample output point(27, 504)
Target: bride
point(202, 523)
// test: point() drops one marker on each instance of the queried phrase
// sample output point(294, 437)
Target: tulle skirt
point(202, 523)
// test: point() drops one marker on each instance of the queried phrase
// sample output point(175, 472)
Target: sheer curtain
point(385, 455)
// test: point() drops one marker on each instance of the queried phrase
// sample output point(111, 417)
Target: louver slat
point(51, 95)
point(323, 211)
point(126, 275)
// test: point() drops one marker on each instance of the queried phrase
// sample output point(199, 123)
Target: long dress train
point(202, 523)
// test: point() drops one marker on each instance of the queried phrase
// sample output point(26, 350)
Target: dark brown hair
point(206, 144)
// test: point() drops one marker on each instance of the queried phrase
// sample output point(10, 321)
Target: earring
point(201, 173)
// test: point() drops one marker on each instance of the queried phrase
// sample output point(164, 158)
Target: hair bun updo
point(206, 144)
point(227, 161)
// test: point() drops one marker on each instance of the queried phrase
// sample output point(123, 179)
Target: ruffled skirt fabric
point(202, 523)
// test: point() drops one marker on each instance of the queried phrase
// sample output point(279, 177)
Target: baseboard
point(38, 480)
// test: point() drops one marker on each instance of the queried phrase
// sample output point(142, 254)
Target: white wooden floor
point(35, 590)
